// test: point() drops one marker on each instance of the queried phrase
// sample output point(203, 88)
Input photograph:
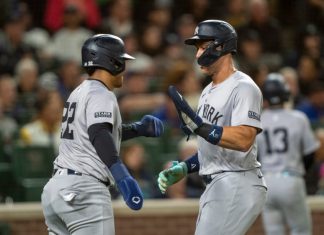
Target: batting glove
point(149, 126)
point(172, 175)
point(127, 186)
point(189, 119)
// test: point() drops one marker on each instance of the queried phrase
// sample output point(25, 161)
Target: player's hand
point(127, 186)
point(189, 119)
point(149, 126)
point(172, 175)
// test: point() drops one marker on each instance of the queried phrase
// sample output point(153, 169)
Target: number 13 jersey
point(287, 137)
point(91, 102)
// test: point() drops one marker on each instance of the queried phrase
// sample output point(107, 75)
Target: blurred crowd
point(40, 48)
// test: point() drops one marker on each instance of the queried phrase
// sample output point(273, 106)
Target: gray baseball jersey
point(287, 136)
point(65, 196)
point(236, 101)
point(237, 183)
point(88, 104)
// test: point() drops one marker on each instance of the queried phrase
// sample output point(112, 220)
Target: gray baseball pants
point(286, 204)
point(231, 203)
point(78, 205)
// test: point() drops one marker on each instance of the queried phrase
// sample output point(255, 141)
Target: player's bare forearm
point(238, 138)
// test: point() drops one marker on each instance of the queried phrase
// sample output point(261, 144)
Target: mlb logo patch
point(102, 114)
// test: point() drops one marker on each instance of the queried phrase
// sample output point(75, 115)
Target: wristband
point(192, 163)
point(211, 133)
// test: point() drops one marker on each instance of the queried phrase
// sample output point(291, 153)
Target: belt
point(207, 179)
point(73, 172)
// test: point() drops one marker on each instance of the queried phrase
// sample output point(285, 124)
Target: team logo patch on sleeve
point(102, 114)
point(254, 115)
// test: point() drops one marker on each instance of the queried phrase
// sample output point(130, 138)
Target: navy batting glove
point(189, 119)
point(149, 126)
point(127, 186)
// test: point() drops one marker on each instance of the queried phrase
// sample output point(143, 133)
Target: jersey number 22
point(68, 117)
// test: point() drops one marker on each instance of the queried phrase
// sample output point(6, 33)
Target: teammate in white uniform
point(286, 145)
point(76, 200)
point(227, 122)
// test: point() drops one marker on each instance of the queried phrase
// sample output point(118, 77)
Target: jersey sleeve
point(309, 142)
point(247, 106)
point(100, 108)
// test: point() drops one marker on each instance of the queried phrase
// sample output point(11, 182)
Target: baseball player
point(76, 200)
point(285, 145)
point(227, 122)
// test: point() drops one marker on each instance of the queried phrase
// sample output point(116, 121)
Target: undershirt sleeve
point(100, 136)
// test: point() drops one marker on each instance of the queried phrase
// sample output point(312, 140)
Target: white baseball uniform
point(76, 200)
point(235, 196)
point(286, 138)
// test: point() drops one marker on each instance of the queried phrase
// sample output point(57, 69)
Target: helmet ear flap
point(119, 66)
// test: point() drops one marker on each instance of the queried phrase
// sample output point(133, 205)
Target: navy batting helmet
point(105, 51)
point(275, 90)
point(220, 33)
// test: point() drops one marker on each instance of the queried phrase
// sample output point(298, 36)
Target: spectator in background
point(161, 15)
point(55, 10)
point(313, 105)
point(119, 18)
point(291, 77)
point(48, 81)
point(267, 26)
point(45, 130)
point(67, 42)
point(152, 40)
point(250, 51)
point(251, 58)
point(136, 97)
point(308, 42)
point(26, 73)
point(12, 47)
point(8, 132)
point(69, 77)
point(181, 75)
point(169, 116)
point(35, 37)
point(309, 70)
point(143, 61)
point(199, 9)
point(236, 12)
point(8, 95)
point(314, 10)
point(134, 157)
point(184, 26)
point(311, 42)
